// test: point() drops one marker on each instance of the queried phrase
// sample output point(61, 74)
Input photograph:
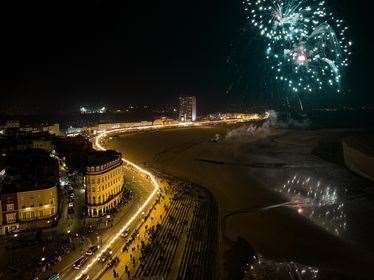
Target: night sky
point(65, 53)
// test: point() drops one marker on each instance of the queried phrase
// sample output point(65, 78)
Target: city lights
point(208, 140)
point(142, 207)
point(102, 135)
point(90, 110)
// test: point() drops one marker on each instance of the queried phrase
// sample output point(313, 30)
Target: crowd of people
point(186, 239)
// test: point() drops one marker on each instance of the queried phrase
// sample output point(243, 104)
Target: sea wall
point(358, 160)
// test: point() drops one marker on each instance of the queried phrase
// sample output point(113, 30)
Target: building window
point(11, 218)
point(10, 207)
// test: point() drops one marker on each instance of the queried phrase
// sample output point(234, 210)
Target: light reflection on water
point(319, 202)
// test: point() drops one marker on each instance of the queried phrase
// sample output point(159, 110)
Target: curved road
point(111, 239)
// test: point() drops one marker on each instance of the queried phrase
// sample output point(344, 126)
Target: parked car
point(71, 208)
point(80, 262)
point(91, 250)
point(106, 256)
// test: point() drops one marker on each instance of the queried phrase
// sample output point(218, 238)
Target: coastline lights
point(154, 192)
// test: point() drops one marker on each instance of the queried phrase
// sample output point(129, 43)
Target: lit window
point(11, 218)
point(10, 207)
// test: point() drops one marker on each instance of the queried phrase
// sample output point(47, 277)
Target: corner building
point(29, 192)
point(28, 209)
point(104, 182)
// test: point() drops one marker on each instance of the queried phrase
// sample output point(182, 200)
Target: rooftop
point(96, 158)
point(29, 170)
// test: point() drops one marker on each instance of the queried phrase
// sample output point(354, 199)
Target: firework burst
point(307, 46)
point(319, 202)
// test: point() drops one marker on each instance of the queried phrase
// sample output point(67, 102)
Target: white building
point(187, 108)
point(104, 182)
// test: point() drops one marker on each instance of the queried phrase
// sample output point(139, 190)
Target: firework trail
point(319, 202)
point(307, 47)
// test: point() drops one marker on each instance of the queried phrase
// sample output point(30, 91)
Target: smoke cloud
point(255, 131)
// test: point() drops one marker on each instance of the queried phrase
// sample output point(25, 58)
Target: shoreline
point(176, 154)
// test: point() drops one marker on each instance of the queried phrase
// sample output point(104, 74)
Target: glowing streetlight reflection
point(154, 192)
point(155, 184)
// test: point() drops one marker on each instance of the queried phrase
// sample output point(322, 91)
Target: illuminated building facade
point(88, 110)
point(187, 108)
point(104, 182)
point(14, 127)
point(164, 121)
point(29, 193)
point(19, 210)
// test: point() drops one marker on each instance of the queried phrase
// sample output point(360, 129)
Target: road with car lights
point(111, 240)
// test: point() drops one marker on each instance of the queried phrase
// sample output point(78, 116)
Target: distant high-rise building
point(187, 108)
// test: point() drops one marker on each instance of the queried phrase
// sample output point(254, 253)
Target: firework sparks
point(317, 201)
point(263, 268)
point(307, 46)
